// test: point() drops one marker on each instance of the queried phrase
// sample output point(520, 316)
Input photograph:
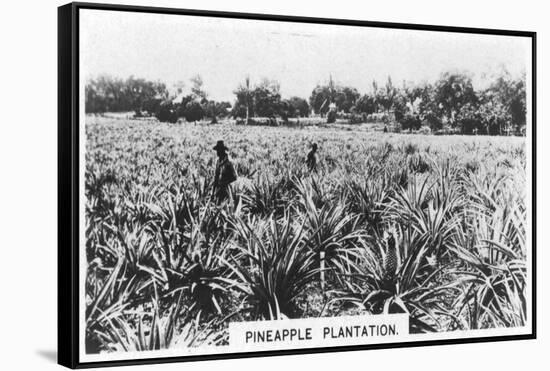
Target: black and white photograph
point(252, 184)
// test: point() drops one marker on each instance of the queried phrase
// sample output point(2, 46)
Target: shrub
point(167, 112)
point(193, 111)
point(331, 117)
point(425, 130)
point(434, 121)
point(356, 119)
point(410, 122)
point(469, 120)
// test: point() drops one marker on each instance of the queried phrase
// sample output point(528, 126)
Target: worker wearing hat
point(311, 160)
point(225, 173)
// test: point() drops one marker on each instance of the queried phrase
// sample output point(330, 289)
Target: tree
point(375, 94)
point(414, 104)
point(193, 111)
point(215, 109)
point(510, 93)
point(320, 99)
point(141, 93)
point(300, 106)
point(517, 103)
point(95, 102)
point(267, 98)
point(293, 107)
point(366, 104)
point(152, 104)
point(433, 120)
point(167, 112)
point(243, 106)
point(105, 94)
point(263, 100)
point(386, 96)
point(346, 98)
point(453, 91)
point(197, 90)
point(343, 97)
point(420, 97)
point(410, 121)
point(468, 119)
point(495, 117)
point(110, 94)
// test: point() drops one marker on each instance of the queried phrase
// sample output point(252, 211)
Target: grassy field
point(432, 226)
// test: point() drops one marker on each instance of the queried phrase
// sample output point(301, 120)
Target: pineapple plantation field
point(432, 226)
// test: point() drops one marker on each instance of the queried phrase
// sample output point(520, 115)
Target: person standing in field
point(311, 160)
point(225, 173)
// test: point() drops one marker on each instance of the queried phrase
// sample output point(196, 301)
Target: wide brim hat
point(220, 145)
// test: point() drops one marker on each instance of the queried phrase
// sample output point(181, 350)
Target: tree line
point(451, 103)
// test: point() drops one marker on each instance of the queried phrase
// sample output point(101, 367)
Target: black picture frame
point(68, 189)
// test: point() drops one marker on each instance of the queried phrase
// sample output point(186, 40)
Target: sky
point(173, 48)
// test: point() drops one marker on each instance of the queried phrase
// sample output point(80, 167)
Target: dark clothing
point(224, 176)
point(311, 161)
